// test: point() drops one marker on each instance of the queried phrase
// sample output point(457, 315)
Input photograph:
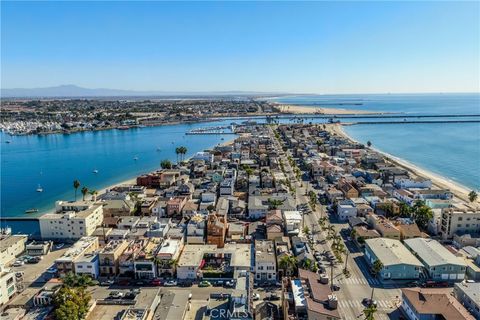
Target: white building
point(196, 230)
point(346, 209)
point(87, 264)
point(205, 156)
point(66, 263)
point(265, 262)
point(293, 222)
point(11, 246)
point(459, 221)
point(190, 261)
point(71, 224)
point(227, 187)
point(7, 286)
point(417, 182)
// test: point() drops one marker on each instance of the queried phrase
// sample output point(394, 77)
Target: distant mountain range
point(73, 91)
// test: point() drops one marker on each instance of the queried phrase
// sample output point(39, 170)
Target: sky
point(301, 47)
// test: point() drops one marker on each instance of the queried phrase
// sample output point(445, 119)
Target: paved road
point(360, 283)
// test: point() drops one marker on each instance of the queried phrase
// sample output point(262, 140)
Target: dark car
point(185, 284)
point(32, 260)
point(124, 282)
point(272, 297)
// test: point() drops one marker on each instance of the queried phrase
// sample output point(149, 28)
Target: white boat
point(8, 141)
point(95, 171)
point(135, 158)
point(39, 188)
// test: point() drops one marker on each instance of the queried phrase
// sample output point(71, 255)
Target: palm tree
point(288, 263)
point(76, 184)
point(274, 203)
point(183, 152)
point(166, 164)
point(84, 192)
point(93, 193)
point(377, 266)
point(177, 151)
point(306, 230)
point(472, 196)
point(322, 221)
point(353, 234)
point(369, 311)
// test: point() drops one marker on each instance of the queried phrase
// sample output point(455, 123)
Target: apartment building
point(66, 263)
point(109, 257)
point(11, 246)
point(71, 224)
point(265, 261)
point(459, 221)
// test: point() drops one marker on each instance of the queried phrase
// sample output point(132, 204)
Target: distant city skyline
point(301, 47)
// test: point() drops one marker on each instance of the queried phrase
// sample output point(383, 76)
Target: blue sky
point(315, 47)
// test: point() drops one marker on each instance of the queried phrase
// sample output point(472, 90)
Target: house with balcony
point(109, 257)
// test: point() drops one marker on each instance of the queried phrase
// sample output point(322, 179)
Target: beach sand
point(321, 110)
point(438, 181)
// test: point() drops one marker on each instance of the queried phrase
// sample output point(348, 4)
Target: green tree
point(177, 151)
point(306, 230)
point(288, 263)
point(377, 266)
point(404, 210)
point(76, 185)
point(84, 192)
point(166, 164)
point(274, 203)
point(422, 214)
point(93, 193)
point(183, 152)
point(71, 303)
point(369, 312)
point(472, 196)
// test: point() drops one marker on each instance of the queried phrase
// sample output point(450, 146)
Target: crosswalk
point(358, 280)
point(381, 304)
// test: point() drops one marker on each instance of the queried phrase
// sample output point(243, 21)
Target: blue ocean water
point(451, 150)
point(451, 103)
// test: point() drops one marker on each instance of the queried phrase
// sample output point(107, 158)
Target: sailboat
point(39, 188)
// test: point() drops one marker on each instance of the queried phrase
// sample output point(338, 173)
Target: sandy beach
point(438, 181)
point(321, 110)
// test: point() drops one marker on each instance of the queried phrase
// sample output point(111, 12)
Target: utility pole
point(331, 275)
point(346, 261)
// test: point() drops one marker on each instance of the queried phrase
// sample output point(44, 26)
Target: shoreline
point(460, 191)
point(298, 109)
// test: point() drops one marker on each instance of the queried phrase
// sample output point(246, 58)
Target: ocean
point(451, 150)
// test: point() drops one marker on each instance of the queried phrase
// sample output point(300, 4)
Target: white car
point(52, 270)
point(18, 263)
point(256, 297)
point(171, 283)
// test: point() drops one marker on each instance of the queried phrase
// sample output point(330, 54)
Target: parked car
point(156, 282)
point(272, 297)
point(52, 270)
point(59, 246)
point(256, 297)
point(116, 295)
point(124, 282)
point(107, 283)
point(18, 263)
point(204, 283)
point(229, 284)
point(335, 287)
point(33, 260)
point(170, 283)
point(185, 284)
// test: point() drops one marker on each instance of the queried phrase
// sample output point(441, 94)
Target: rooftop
point(392, 252)
point(432, 252)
